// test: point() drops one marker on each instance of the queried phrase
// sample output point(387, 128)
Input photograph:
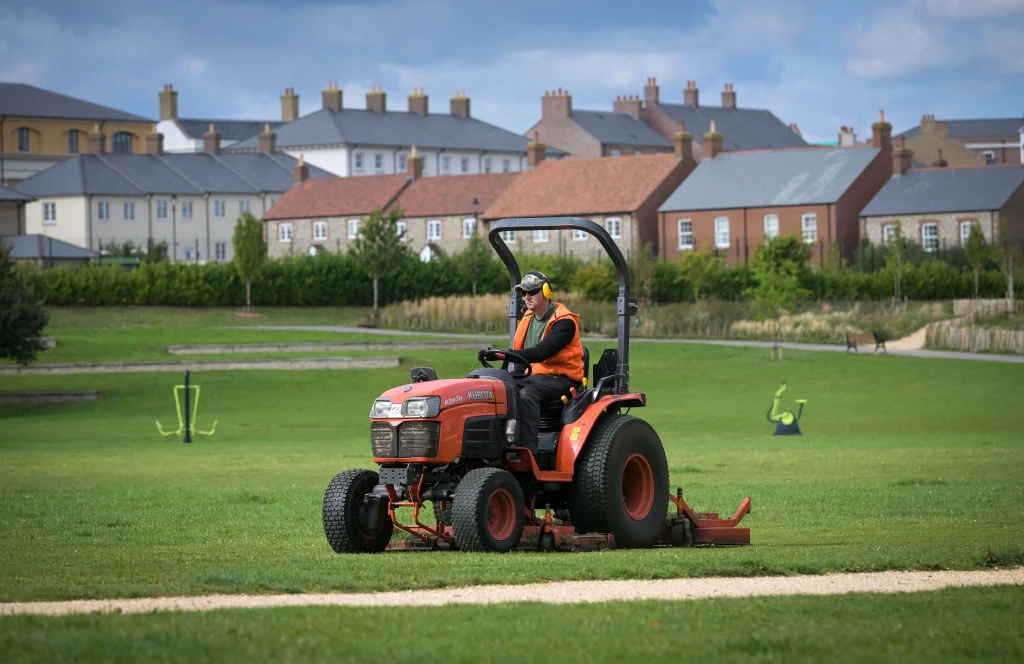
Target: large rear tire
point(350, 524)
point(487, 511)
point(621, 483)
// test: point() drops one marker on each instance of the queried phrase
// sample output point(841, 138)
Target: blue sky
point(817, 63)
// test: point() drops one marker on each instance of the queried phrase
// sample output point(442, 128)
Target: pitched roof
point(334, 197)
point(42, 246)
point(741, 128)
point(770, 178)
point(937, 190)
point(977, 127)
point(584, 186)
point(618, 128)
point(350, 126)
point(11, 195)
point(23, 100)
point(186, 174)
point(453, 194)
point(229, 130)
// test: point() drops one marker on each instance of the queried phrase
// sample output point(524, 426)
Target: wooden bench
point(864, 339)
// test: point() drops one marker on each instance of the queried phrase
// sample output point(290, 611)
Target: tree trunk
point(375, 316)
point(248, 295)
point(976, 277)
point(1009, 286)
point(474, 289)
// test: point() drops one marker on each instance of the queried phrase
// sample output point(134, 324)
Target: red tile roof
point(333, 197)
point(584, 186)
point(453, 194)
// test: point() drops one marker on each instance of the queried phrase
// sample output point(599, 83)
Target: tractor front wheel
point(352, 522)
point(487, 511)
point(621, 482)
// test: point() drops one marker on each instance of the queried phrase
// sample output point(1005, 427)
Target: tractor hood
point(450, 393)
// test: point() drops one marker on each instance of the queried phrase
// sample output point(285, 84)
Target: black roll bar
point(625, 307)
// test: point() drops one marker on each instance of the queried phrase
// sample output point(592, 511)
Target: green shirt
point(535, 332)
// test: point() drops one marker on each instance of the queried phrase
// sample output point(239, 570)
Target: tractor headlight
point(421, 407)
point(381, 408)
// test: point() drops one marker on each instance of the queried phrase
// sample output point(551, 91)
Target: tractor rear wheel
point(487, 511)
point(352, 524)
point(621, 482)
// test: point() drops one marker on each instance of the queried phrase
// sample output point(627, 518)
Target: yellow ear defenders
point(546, 287)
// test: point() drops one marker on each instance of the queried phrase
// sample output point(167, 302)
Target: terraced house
point(186, 134)
point(968, 142)
point(191, 201)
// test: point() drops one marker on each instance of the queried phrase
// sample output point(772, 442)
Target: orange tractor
point(598, 479)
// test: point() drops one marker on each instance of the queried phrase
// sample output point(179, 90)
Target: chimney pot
point(267, 140)
point(713, 141)
point(211, 141)
point(155, 142)
point(881, 133)
point(168, 103)
point(728, 97)
point(691, 96)
point(459, 104)
point(535, 151)
point(301, 170)
point(414, 165)
point(289, 105)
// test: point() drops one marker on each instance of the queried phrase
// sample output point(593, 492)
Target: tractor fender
point(574, 435)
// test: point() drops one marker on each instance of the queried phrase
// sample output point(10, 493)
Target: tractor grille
point(382, 439)
point(418, 439)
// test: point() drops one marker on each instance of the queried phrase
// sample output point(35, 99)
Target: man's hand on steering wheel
point(486, 355)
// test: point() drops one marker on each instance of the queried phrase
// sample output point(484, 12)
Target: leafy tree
point(697, 267)
point(250, 251)
point(896, 260)
point(156, 252)
point(22, 317)
point(379, 250)
point(977, 254)
point(477, 259)
point(641, 272)
point(784, 250)
point(1011, 261)
point(777, 287)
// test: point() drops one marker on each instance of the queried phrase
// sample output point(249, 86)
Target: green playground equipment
point(786, 423)
point(188, 409)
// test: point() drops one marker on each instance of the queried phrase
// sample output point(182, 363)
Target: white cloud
point(1004, 45)
point(974, 9)
point(194, 66)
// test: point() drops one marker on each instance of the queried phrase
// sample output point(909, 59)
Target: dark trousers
point(534, 391)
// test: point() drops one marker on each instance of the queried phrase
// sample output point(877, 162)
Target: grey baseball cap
point(532, 281)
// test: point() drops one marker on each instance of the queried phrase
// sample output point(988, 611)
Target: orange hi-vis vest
point(566, 362)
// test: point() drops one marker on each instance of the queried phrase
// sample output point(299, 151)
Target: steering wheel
point(520, 361)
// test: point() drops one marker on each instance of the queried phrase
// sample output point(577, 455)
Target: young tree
point(896, 260)
point(477, 259)
point(697, 268)
point(777, 288)
point(641, 270)
point(380, 250)
point(977, 254)
point(1011, 261)
point(250, 251)
point(22, 317)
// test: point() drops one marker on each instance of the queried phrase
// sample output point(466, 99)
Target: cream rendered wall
point(70, 225)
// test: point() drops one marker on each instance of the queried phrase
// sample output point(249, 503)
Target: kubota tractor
point(599, 475)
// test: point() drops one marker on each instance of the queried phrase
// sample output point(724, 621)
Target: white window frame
point(723, 237)
point(186, 209)
point(403, 162)
point(965, 233)
point(129, 210)
point(508, 236)
point(771, 226)
point(220, 250)
point(487, 164)
point(243, 207)
point(684, 229)
point(464, 164)
point(614, 152)
point(928, 237)
point(446, 164)
point(319, 231)
point(578, 235)
point(378, 162)
point(990, 156)
point(541, 235)
point(103, 210)
point(161, 209)
point(357, 162)
point(402, 229)
point(809, 226)
point(49, 213)
point(614, 227)
point(433, 230)
point(284, 232)
point(219, 208)
point(506, 165)
point(468, 228)
point(888, 234)
point(353, 229)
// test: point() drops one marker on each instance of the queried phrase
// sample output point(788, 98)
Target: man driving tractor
point(548, 336)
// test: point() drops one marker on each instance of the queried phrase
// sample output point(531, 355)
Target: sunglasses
point(532, 292)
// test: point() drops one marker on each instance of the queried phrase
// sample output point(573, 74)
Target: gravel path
point(564, 592)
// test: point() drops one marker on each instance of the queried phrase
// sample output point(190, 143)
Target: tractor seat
point(551, 412)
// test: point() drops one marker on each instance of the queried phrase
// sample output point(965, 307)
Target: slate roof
point(584, 186)
point(770, 178)
point(619, 128)
point(11, 195)
point(334, 197)
point(186, 174)
point(42, 246)
point(937, 190)
point(741, 128)
point(229, 130)
point(23, 100)
point(327, 127)
point(453, 194)
point(978, 127)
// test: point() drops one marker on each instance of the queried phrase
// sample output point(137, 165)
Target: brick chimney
point(847, 137)
point(419, 102)
point(651, 93)
point(881, 133)
point(630, 104)
point(940, 161)
point(289, 105)
point(556, 105)
point(168, 103)
point(301, 170)
point(377, 99)
point(460, 104)
point(712, 142)
point(795, 128)
point(331, 97)
point(211, 141)
point(901, 158)
point(414, 165)
point(268, 140)
point(729, 97)
point(931, 126)
point(535, 151)
point(154, 142)
point(97, 141)
point(691, 95)
point(683, 141)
